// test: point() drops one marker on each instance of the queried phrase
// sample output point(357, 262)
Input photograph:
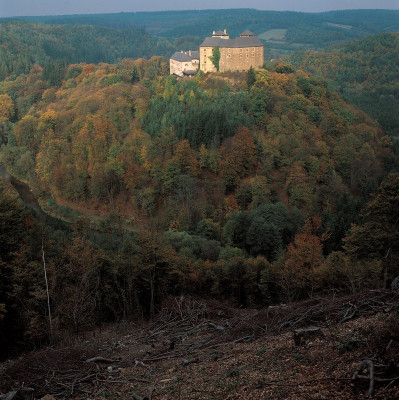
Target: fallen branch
point(247, 337)
point(190, 361)
point(101, 359)
point(366, 364)
point(349, 314)
point(138, 397)
point(217, 327)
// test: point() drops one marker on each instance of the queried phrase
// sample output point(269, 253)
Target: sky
point(10, 8)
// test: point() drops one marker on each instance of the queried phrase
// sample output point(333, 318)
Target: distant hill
point(23, 44)
point(303, 30)
point(365, 72)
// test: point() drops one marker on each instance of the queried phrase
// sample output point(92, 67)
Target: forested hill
point(349, 23)
point(124, 134)
point(282, 32)
point(244, 187)
point(365, 72)
point(112, 37)
point(23, 44)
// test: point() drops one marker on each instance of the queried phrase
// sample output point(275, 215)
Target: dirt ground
point(203, 349)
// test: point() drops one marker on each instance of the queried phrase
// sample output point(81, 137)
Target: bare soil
point(204, 349)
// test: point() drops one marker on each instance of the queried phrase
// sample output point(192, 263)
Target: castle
point(184, 63)
point(239, 54)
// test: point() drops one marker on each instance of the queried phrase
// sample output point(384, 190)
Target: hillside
point(23, 44)
point(364, 72)
point(243, 187)
point(123, 131)
point(197, 349)
point(191, 224)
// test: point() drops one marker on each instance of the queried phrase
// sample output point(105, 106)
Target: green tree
point(215, 57)
point(378, 236)
point(251, 78)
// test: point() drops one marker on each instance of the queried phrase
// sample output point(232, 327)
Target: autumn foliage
point(200, 186)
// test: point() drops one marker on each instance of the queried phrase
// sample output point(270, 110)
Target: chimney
point(181, 51)
point(189, 52)
point(214, 32)
point(225, 32)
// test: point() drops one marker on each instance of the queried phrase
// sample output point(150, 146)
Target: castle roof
point(195, 55)
point(220, 33)
point(247, 33)
point(246, 41)
point(189, 73)
point(185, 56)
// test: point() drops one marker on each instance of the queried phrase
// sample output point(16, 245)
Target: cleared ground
point(275, 34)
point(203, 349)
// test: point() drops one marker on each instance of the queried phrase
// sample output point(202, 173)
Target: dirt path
point(23, 190)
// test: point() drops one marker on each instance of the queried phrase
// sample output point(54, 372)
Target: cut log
point(302, 335)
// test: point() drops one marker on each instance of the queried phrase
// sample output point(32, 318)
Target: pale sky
point(10, 8)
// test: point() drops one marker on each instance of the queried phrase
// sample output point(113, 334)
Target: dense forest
point(23, 44)
point(303, 27)
point(364, 72)
point(111, 37)
point(282, 32)
point(253, 188)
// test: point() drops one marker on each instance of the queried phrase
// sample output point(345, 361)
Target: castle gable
point(246, 33)
point(185, 56)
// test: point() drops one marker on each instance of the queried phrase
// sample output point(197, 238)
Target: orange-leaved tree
point(304, 258)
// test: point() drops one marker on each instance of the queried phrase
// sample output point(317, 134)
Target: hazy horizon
point(14, 8)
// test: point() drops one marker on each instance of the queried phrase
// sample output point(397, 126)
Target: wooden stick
point(370, 368)
point(101, 359)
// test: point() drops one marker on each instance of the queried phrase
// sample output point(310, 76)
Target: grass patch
point(276, 34)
